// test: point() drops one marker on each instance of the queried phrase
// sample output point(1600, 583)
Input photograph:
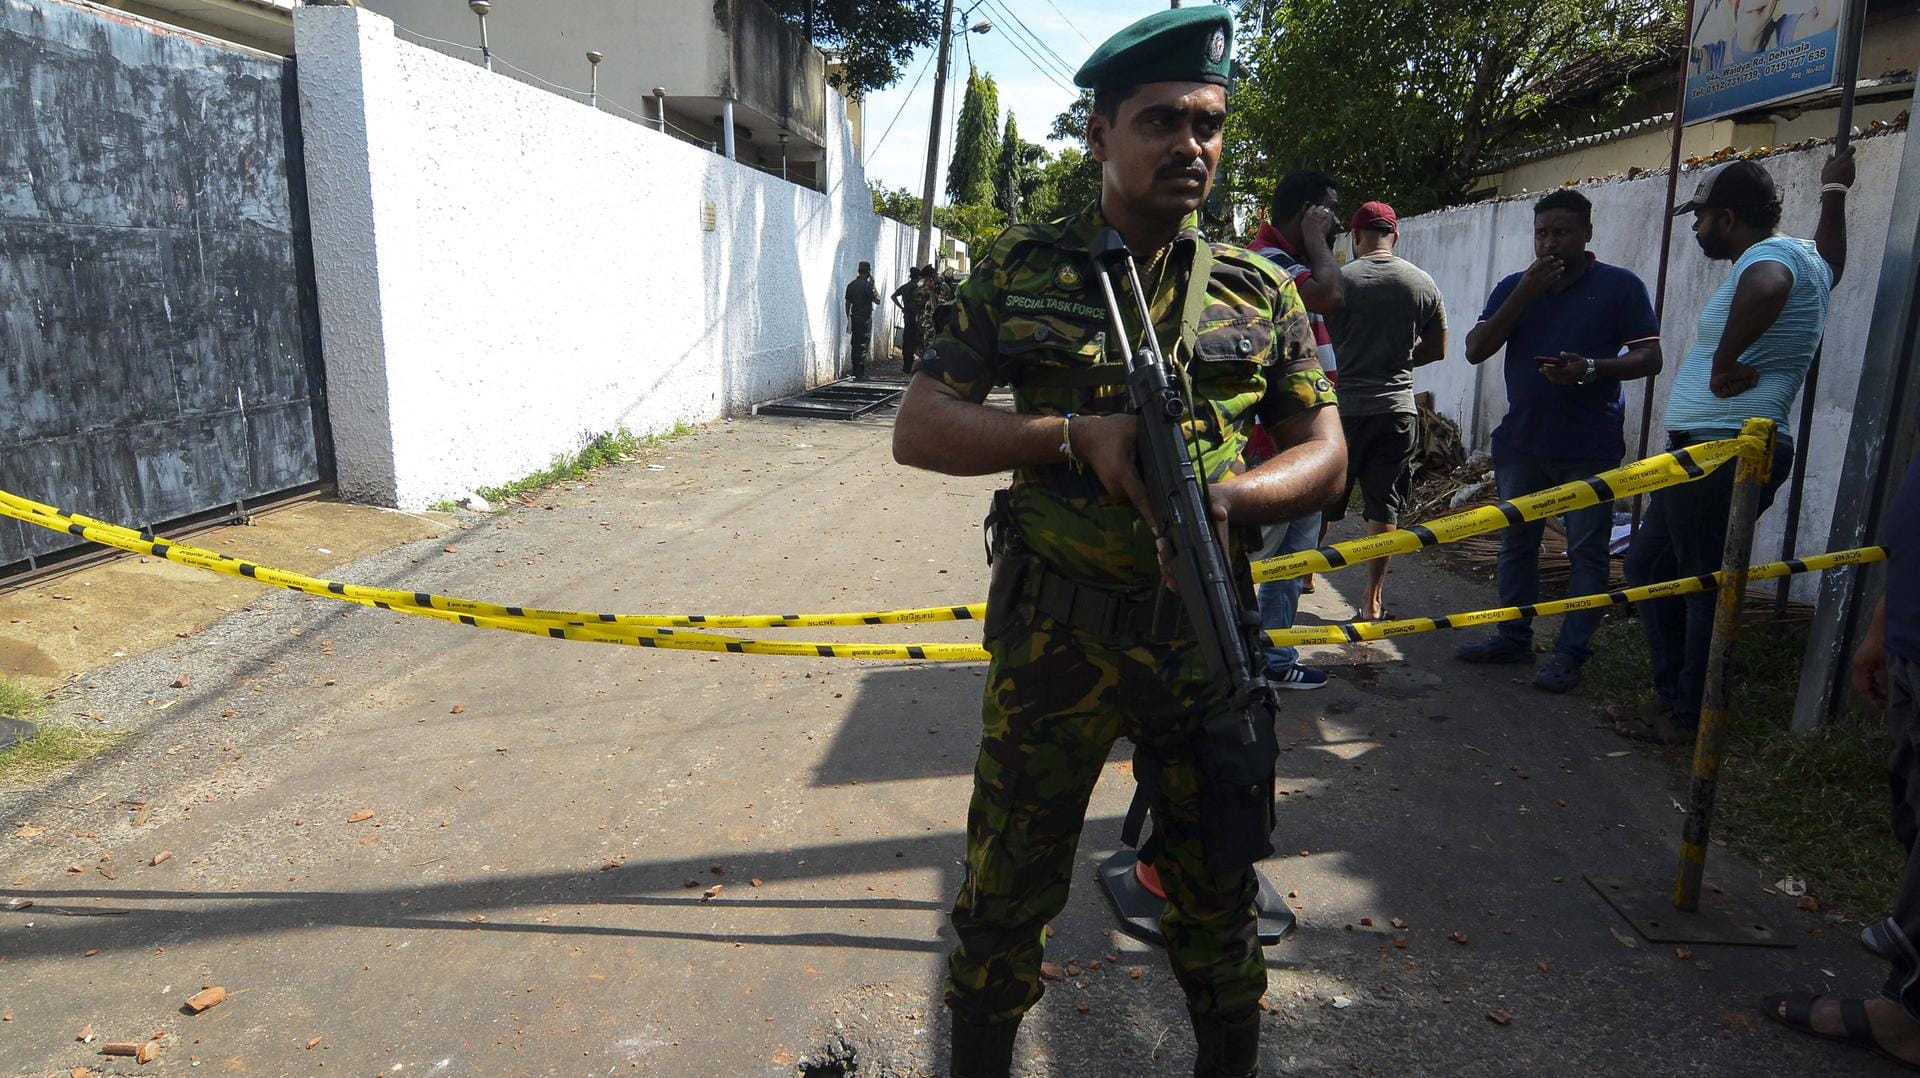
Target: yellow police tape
point(1640, 477)
point(602, 630)
point(1654, 473)
point(114, 535)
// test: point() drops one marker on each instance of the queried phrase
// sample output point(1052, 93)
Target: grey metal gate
point(159, 342)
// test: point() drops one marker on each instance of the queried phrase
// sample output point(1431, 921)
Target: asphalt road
point(586, 859)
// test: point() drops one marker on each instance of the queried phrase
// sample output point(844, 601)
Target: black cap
point(1734, 184)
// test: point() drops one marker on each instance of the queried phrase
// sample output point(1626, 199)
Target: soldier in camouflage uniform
point(1079, 658)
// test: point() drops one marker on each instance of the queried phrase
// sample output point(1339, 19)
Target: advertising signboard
point(1746, 53)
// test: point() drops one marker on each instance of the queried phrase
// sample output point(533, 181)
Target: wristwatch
point(1593, 370)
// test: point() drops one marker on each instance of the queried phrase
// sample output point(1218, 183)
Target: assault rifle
point(1227, 629)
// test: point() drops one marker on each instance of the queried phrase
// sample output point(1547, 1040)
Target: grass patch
point(20, 703)
point(602, 450)
point(53, 748)
point(1813, 807)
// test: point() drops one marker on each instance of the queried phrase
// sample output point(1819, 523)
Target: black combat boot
point(1229, 1045)
point(982, 1051)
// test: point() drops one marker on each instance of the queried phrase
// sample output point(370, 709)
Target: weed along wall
point(1468, 250)
point(506, 272)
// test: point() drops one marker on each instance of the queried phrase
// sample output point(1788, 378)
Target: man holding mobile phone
point(1574, 328)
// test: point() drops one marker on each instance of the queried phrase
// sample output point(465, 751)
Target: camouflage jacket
point(1031, 316)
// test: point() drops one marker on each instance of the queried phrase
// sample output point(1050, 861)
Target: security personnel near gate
point(1082, 649)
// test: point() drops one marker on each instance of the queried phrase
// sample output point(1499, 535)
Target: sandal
point(1656, 730)
point(1853, 1015)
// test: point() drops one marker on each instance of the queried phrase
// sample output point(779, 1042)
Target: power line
point(1045, 71)
point(1040, 47)
point(1069, 22)
point(903, 107)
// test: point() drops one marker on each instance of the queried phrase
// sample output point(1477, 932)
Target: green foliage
point(1813, 807)
point(976, 143)
point(1409, 100)
point(53, 746)
point(898, 203)
point(1069, 183)
point(19, 702)
point(976, 224)
point(1009, 172)
point(872, 40)
point(600, 451)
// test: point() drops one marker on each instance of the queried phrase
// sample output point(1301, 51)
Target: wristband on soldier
point(1066, 440)
point(1833, 188)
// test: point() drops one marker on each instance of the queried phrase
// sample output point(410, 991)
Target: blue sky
point(1070, 28)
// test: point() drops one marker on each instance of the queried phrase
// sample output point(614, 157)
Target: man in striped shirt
point(1758, 334)
point(1299, 239)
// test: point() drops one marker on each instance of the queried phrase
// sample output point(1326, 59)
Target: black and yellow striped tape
point(1654, 473)
point(1640, 477)
point(673, 638)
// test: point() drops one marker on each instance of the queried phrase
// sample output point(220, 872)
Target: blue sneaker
point(1298, 677)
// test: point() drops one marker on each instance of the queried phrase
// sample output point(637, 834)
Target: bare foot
point(1897, 1033)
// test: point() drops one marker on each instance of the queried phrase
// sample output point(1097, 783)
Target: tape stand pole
point(1728, 921)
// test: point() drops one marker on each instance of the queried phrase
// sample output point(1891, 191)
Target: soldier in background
point(908, 299)
point(862, 297)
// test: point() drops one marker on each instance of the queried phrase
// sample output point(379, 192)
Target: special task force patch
point(1067, 275)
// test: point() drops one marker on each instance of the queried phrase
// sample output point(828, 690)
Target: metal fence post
point(1750, 474)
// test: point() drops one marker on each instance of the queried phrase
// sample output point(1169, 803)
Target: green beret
point(1188, 44)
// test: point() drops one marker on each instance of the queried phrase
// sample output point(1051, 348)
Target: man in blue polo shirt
point(1574, 328)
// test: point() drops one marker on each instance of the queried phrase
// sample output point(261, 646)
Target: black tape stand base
point(1139, 909)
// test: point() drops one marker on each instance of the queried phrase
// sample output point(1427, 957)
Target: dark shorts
point(1380, 459)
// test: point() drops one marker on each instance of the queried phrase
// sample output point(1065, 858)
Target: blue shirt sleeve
point(1634, 310)
point(1500, 293)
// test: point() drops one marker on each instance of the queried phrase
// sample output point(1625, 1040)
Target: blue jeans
point(1684, 533)
point(1280, 599)
point(1588, 532)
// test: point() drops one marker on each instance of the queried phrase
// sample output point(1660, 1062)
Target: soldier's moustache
point(1175, 171)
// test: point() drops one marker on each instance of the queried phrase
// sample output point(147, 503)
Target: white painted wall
point(505, 272)
point(1469, 249)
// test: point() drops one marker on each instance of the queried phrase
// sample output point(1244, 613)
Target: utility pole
point(933, 136)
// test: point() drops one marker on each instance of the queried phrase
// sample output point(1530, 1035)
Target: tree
point(1070, 179)
point(1032, 178)
point(1069, 183)
point(976, 143)
point(1008, 173)
point(976, 224)
point(873, 41)
point(1410, 100)
point(898, 203)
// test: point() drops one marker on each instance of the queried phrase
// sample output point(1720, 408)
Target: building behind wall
point(704, 55)
point(1889, 54)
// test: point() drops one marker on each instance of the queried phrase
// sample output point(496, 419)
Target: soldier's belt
point(1100, 612)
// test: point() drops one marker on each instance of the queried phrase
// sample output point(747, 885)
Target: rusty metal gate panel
point(159, 341)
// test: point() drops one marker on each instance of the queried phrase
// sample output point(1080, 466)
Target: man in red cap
point(1393, 320)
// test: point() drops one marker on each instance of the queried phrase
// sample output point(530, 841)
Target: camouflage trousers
point(1056, 701)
